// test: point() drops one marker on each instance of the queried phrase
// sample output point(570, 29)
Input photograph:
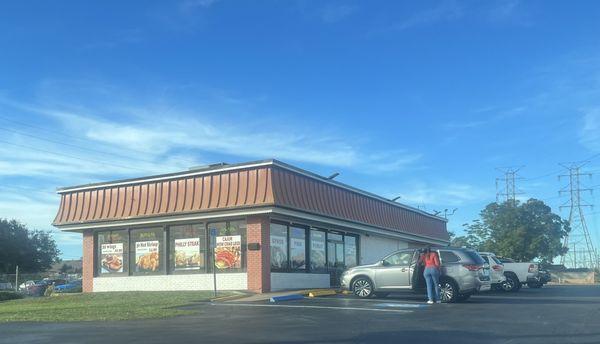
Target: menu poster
point(187, 254)
point(298, 249)
point(228, 252)
point(146, 256)
point(111, 257)
point(317, 250)
point(278, 250)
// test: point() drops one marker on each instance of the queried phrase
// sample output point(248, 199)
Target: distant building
point(76, 265)
point(266, 225)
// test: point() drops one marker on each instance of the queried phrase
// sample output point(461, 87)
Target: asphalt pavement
point(553, 314)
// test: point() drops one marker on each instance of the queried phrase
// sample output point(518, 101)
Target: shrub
point(9, 295)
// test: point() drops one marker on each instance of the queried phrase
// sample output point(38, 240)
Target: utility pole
point(506, 189)
point(582, 254)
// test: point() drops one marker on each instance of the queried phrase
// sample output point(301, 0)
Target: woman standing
point(432, 274)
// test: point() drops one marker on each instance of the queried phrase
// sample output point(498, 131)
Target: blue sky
point(418, 99)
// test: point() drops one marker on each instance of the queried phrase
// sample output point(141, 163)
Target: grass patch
point(102, 306)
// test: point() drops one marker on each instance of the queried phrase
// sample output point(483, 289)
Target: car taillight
point(497, 267)
point(473, 267)
point(532, 268)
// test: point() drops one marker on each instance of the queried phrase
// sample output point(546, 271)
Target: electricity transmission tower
point(581, 253)
point(506, 189)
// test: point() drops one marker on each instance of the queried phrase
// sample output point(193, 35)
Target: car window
point(495, 260)
point(400, 258)
point(448, 257)
point(475, 257)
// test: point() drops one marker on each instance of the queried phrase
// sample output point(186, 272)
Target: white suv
point(496, 269)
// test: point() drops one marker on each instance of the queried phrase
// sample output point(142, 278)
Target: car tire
point(512, 284)
point(534, 285)
point(363, 287)
point(448, 291)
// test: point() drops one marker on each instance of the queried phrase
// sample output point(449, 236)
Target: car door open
point(394, 271)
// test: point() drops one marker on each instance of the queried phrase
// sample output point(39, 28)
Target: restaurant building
point(263, 226)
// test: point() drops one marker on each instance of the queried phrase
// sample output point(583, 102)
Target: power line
point(506, 185)
point(74, 146)
point(71, 156)
point(578, 242)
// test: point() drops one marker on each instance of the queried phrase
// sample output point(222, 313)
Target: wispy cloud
point(444, 194)
point(589, 135)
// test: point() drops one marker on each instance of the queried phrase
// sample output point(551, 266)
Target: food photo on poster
point(146, 256)
point(228, 252)
point(111, 258)
point(278, 248)
point(187, 254)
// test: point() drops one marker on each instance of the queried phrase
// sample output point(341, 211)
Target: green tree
point(523, 231)
point(31, 250)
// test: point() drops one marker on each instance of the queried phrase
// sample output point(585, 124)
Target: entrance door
point(335, 257)
point(394, 272)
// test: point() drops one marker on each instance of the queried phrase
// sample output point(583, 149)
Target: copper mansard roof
point(267, 183)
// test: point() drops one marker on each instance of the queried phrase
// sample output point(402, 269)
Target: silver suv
point(464, 273)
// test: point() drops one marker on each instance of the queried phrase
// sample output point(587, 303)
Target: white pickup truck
point(518, 274)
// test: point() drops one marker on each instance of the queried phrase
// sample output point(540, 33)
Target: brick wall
point(259, 262)
point(88, 261)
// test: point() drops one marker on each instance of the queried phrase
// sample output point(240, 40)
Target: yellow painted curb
point(346, 292)
point(323, 292)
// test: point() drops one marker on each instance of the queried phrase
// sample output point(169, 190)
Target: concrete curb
point(229, 297)
point(321, 292)
point(289, 297)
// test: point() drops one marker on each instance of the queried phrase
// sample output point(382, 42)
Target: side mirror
point(384, 263)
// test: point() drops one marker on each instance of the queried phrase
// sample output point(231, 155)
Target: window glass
point(335, 250)
point(188, 248)
point(496, 260)
point(448, 257)
point(230, 246)
point(350, 250)
point(279, 246)
point(147, 247)
point(400, 258)
point(475, 257)
point(298, 248)
point(112, 252)
point(317, 250)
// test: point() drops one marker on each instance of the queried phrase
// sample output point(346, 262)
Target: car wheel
point(534, 285)
point(362, 287)
point(448, 291)
point(511, 284)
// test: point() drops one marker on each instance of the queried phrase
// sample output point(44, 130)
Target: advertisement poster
point(228, 252)
point(187, 254)
point(111, 256)
point(278, 250)
point(317, 250)
point(146, 256)
point(298, 249)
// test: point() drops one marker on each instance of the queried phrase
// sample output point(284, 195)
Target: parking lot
point(553, 314)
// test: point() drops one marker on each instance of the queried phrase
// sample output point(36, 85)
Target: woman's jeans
point(432, 277)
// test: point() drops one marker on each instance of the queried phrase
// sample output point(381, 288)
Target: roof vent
point(208, 167)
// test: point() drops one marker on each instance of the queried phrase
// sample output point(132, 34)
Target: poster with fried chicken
point(146, 256)
point(187, 254)
point(228, 252)
point(111, 258)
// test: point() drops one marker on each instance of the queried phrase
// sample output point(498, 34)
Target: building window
point(297, 248)
point(279, 247)
point(112, 253)
point(350, 252)
point(317, 251)
point(229, 251)
point(188, 248)
point(335, 251)
point(147, 247)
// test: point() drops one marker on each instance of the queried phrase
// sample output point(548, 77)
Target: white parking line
point(314, 307)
